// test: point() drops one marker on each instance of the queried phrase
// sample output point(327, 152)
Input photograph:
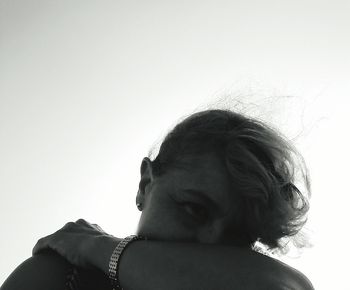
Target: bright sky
point(87, 87)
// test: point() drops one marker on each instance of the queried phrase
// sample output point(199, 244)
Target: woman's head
point(249, 167)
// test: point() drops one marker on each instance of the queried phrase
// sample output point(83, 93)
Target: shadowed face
point(193, 201)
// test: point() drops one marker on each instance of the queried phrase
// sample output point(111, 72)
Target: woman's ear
point(146, 179)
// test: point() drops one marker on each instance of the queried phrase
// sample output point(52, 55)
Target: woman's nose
point(211, 233)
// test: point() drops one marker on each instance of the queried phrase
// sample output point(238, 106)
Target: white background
point(87, 87)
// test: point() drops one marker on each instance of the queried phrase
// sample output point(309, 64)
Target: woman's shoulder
point(294, 279)
point(39, 272)
point(50, 271)
point(285, 277)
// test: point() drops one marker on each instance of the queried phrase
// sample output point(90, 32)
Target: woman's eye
point(195, 210)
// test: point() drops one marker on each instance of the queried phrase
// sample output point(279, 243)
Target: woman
point(220, 183)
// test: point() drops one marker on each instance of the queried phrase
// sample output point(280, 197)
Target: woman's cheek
point(184, 221)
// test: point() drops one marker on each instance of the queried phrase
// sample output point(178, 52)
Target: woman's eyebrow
point(208, 200)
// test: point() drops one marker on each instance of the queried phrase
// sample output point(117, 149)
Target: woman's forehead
point(209, 165)
point(204, 173)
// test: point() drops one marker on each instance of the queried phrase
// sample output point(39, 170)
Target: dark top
point(51, 271)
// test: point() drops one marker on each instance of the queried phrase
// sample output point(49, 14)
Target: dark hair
point(262, 163)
